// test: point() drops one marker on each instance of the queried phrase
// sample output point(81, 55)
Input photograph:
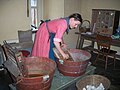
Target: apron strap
point(47, 27)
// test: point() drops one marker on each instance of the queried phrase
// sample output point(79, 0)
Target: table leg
point(78, 41)
point(81, 42)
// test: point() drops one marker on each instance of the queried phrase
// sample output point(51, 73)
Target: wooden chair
point(15, 62)
point(25, 38)
point(104, 49)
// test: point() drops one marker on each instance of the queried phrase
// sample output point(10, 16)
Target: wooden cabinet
point(105, 21)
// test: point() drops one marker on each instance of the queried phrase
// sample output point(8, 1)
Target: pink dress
point(42, 43)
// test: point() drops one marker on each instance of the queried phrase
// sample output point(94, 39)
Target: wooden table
point(92, 38)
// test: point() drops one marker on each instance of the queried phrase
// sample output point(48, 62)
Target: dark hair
point(76, 16)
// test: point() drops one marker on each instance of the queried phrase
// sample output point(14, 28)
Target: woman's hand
point(65, 56)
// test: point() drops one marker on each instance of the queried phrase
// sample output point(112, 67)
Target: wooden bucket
point(74, 67)
point(40, 74)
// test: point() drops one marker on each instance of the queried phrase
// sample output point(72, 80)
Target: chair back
point(14, 62)
point(25, 36)
point(25, 39)
point(2, 55)
point(103, 43)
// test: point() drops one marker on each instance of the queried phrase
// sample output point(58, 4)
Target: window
point(33, 14)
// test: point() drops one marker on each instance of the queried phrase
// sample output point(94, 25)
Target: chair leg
point(96, 58)
point(114, 61)
point(106, 61)
point(104, 56)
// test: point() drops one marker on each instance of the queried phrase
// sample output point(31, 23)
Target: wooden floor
point(113, 74)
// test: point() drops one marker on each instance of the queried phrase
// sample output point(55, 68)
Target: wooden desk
point(92, 38)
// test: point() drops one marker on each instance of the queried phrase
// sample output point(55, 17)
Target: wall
point(70, 7)
point(13, 14)
point(13, 17)
point(53, 9)
point(88, 5)
point(40, 10)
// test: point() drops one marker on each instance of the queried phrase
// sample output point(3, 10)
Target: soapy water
point(75, 54)
point(79, 57)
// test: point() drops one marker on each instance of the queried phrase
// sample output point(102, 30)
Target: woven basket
point(94, 80)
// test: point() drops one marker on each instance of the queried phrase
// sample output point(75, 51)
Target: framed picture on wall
point(105, 21)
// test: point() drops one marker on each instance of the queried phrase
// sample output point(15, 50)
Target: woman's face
point(74, 23)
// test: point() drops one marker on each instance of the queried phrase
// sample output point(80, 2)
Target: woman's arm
point(63, 44)
point(57, 45)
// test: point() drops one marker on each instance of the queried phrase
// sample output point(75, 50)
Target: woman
point(50, 34)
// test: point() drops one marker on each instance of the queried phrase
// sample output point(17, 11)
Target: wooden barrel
point(25, 53)
point(74, 67)
point(40, 74)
